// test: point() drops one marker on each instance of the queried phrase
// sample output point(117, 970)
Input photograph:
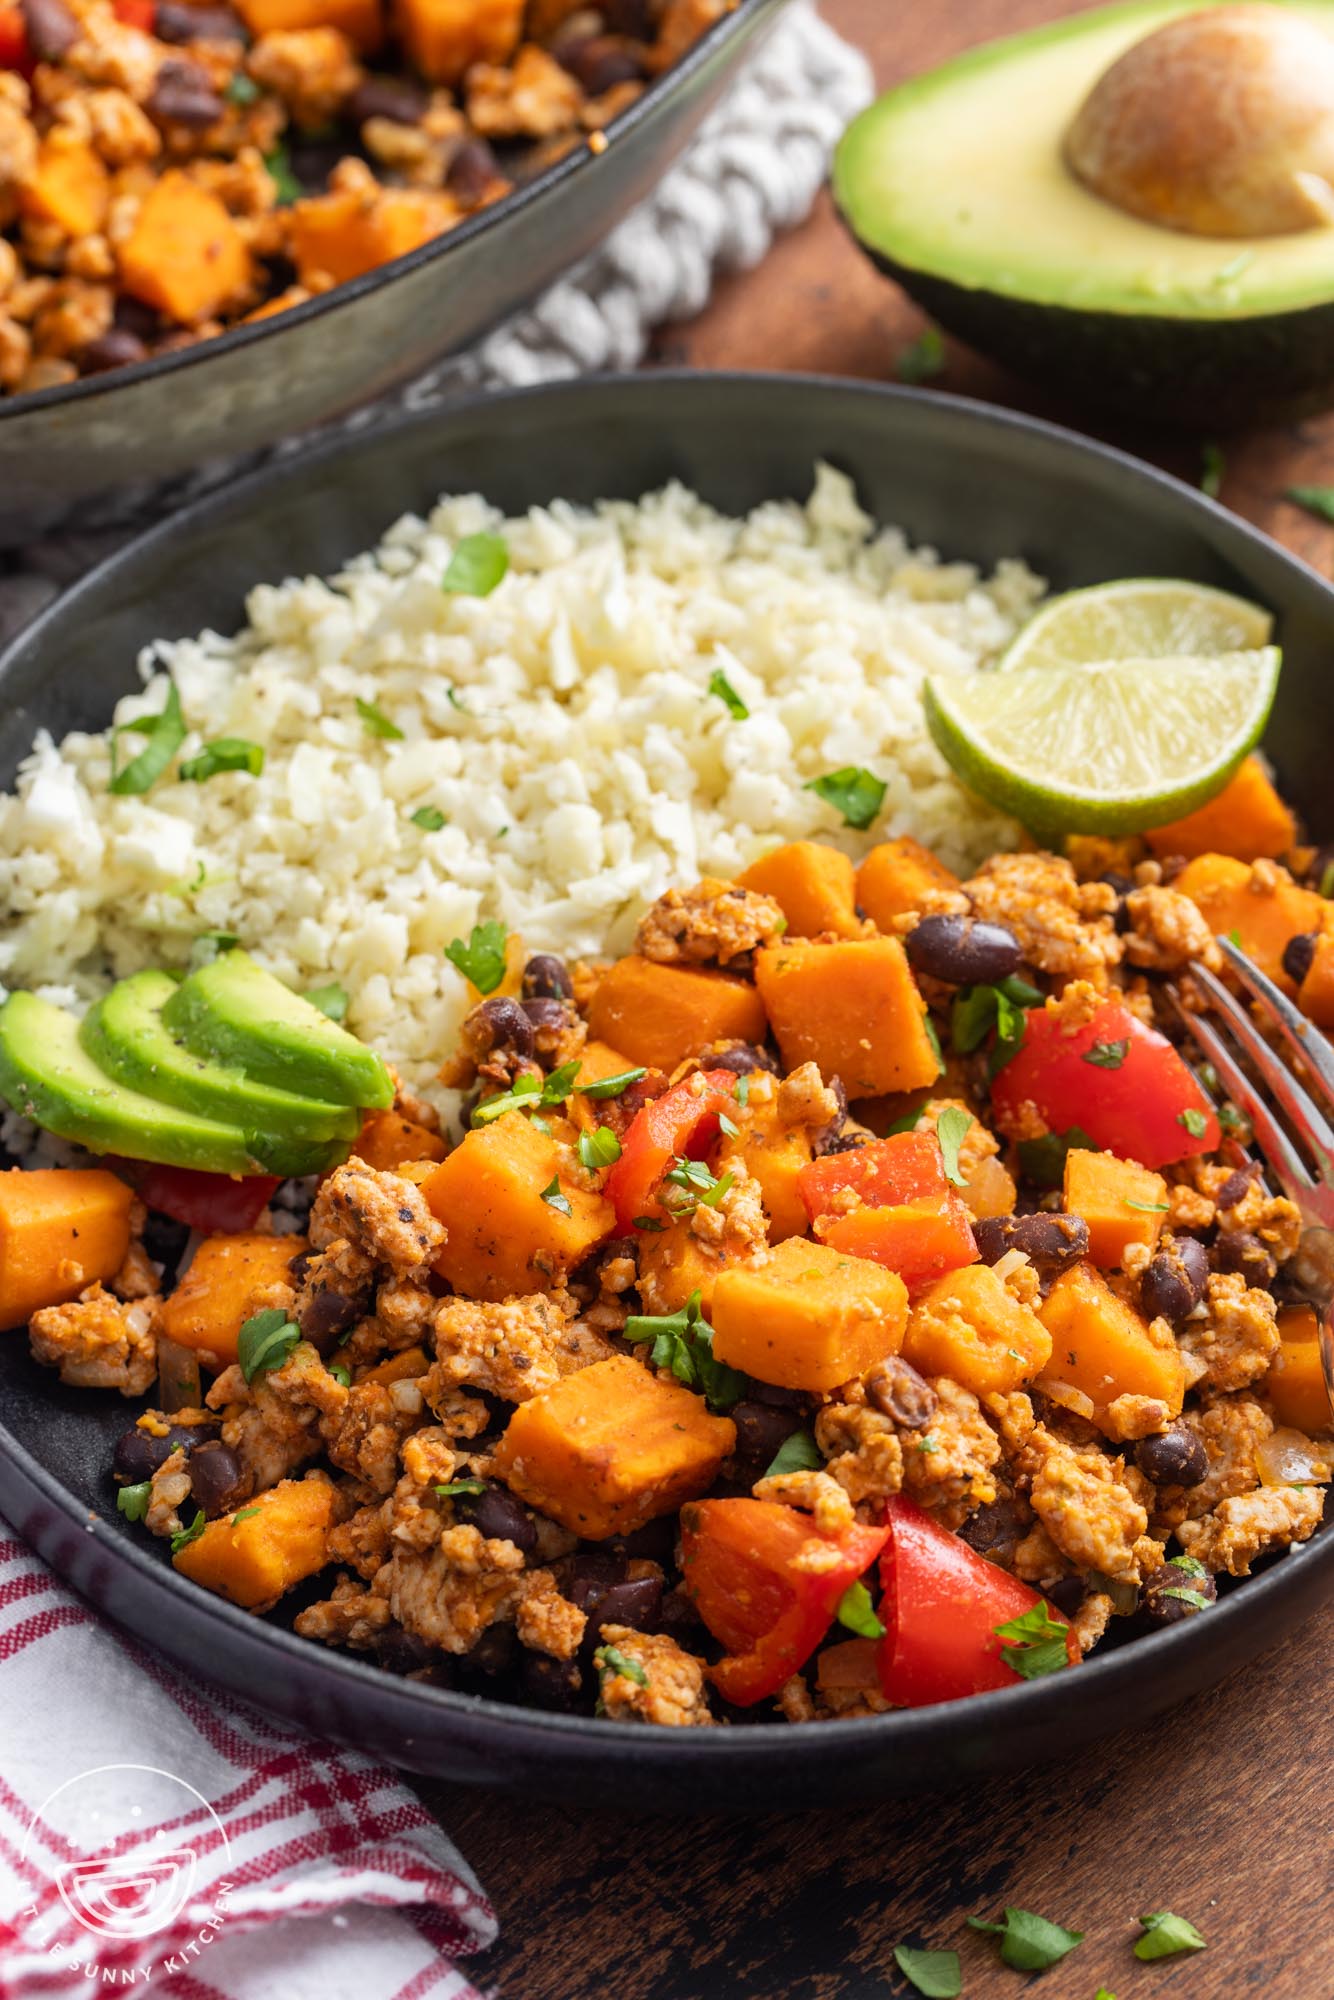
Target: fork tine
point(1301, 1035)
point(1280, 1154)
point(1303, 1110)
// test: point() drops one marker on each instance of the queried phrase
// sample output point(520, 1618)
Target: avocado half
point(955, 186)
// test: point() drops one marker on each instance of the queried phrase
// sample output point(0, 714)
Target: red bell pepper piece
point(15, 52)
point(214, 1203)
point(739, 1561)
point(681, 1124)
point(141, 14)
point(884, 1174)
point(919, 1239)
point(1122, 1084)
point(940, 1604)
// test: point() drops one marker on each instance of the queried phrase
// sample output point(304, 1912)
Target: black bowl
point(113, 438)
point(975, 482)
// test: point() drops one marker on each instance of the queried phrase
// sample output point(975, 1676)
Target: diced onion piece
point(179, 1386)
point(1290, 1458)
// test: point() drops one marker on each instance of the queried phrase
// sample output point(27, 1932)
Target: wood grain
point(1221, 1812)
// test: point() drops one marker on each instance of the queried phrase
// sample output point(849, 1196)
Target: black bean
point(494, 1651)
point(1067, 1594)
point(782, 1399)
point(501, 1024)
point(899, 1392)
point(997, 1524)
point(391, 97)
point(1241, 1250)
point(591, 1576)
point(1161, 1602)
point(1123, 885)
point(1173, 1458)
point(138, 1455)
point(678, 1617)
point(183, 95)
point(499, 1516)
point(473, 169)
point(1235, 1188)
point(116, 348)
point(827, 1138)
point(178, 22)
point(547, 1013)
point(1298, 954)
point(52, 28)
point(634, 18)
point(326, 1316)
point(741, 1058)
point(656, 1540)
point(1172, 1282)
point(1052, 1243)
point(636, 1603)
point(400, 1652)
point(137, 318)
point(217, 1480)
point(549, 1683)
point(845, 1142)
point(599, 62)
point(963, 951)
point(546, 977)
point(760, 1431)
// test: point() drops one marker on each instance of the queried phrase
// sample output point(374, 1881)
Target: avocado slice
point(125, 1037)
point(955, 186)
point(234, 1012)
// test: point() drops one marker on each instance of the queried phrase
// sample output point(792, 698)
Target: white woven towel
point(754, 168)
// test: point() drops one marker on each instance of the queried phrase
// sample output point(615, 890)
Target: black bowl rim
point(247, 334)
point(1054, 1700)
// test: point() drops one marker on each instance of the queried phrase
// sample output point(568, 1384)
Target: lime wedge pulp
point(1112, 747)
point(1140, 618)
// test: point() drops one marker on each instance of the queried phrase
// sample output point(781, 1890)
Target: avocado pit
point(1220, 123)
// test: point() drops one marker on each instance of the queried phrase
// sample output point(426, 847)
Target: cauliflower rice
point(563, 726)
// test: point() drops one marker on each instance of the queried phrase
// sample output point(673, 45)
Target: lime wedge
point(1109, 748)
point(1142, 618)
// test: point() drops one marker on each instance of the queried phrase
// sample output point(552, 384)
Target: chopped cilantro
point(919, 361)
point(977, 1009)
point(742, 1091)
point(478, 564)
point(720, 685)
point(287, 188)
point(727, 1127)
point(648, 1223)
point(246, 1514)
point(933, 1973)
point(1195, 1598)
point(699, 1184)
point(612, 1086)
point(531, 1093)
point(552, 1196)
point(1166, 1934)
point(856, 793)
point(472, 1487)
point(482, 958)
point(1194, 1121)
point(1316, 500)
point(683, 1342)
point(205, 948)
point(1230, 1118)
point(241, 89)
point(856, 1611)
point(377, 723)
point(1037, 1644)
point(340, 1373)
point(1212, 467)
point(1108, 1055)
point(165, 732)
point(184, 1536)
point(611, 1660)
point(1029, 1943)
point(224, 753)
point(429, 818)
point(132, 1501)
point(1327, 879)
point(951, 1130)
point(1190, 1564)
point(330, 999)
point(1042, 1161)
point(799, 1453)
point(265, 1341)
point(600, 1148)
point(1149, 1207)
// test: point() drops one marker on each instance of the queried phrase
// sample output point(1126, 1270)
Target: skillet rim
point(1056, 1701)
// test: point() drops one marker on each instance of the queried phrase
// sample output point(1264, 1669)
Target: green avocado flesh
point(232, 1012)
point(125, 1037)
point(957, 177)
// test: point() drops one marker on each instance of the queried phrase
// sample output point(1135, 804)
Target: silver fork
point(1304, 1171)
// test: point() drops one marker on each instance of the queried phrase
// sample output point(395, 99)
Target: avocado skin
point(232, 1011)
point(125, 1037)
point(1192, 374)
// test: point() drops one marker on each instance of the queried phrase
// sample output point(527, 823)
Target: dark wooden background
point(1223, 1812)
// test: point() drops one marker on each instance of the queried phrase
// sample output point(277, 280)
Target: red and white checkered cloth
point(303, 1871)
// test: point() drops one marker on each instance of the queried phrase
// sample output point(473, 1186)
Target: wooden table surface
point(1222, 1812)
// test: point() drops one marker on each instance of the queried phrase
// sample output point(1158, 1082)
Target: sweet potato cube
point(387, 1140)
point(969, 1327)
point(69, 186)
point(813, 884)
point(673, 1263)
point(775, 1153)
point(228, 1279)
point(1263, 912)
point(184, 255)
point(1103, 1348)
point(61, 1228)
point(1247, 819)
point(807, 1316)
point(894, 878)
point(405, 1366)
point(350, 231)
point(851, 1008)
point(273, 1542)
point(1316, 996)
point(612, 1447)
point(1122, 1203)
point(660, 1014)
point(495, 1195)
point(446, 37)
point(1295, 1383)
point(362, 21)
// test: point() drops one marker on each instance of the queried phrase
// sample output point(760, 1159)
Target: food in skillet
point(846, 1299)
point(171, 168)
